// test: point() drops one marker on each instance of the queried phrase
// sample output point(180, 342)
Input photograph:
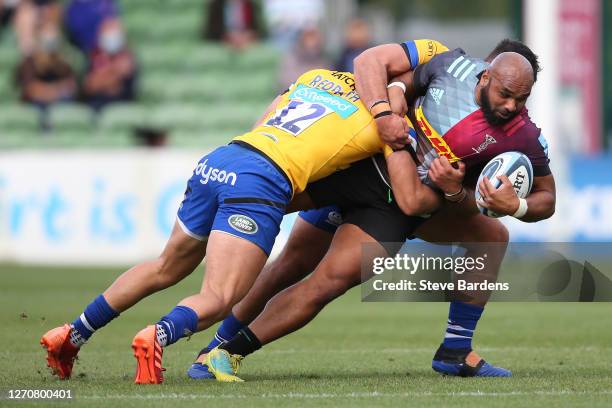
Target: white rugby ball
point(516, 166)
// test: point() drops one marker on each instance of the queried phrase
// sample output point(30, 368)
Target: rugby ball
point(516, 166)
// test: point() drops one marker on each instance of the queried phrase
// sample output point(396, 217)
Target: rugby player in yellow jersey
point(231, 212)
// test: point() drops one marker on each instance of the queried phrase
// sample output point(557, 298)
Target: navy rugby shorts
point(327, 218)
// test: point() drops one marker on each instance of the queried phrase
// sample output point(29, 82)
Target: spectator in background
point(151, 137)
point(7, 11)
point(286, 19)
point(30, 17)
point(44, 77)
point(356, 40)
point(111, 73)
point(234, 22)
point(307, 54)
point(82, 21)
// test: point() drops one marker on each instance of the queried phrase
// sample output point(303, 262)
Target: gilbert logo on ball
point(242, 223)
point(516, 166)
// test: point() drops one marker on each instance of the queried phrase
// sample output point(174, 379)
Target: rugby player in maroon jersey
point(466, 113)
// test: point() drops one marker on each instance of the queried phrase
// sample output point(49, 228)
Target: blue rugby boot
point(199, 369)
point(465, 363)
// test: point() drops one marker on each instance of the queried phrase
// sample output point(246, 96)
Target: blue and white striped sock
point(462, 320)
point(95, 316)
point(182, 321)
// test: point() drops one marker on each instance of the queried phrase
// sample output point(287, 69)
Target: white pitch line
point(100, 350)
point(347, 395)
point(408, 350)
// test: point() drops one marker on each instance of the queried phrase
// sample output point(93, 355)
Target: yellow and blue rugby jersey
point(321, 126)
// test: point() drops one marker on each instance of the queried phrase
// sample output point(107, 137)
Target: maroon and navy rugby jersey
point(449, 122)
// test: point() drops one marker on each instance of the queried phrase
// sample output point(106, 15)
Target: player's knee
point(497, 233)
point(486, 229)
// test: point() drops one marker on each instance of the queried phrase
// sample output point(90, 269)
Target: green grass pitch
point(353, 354)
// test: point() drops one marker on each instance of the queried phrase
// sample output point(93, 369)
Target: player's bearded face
point(495, 116)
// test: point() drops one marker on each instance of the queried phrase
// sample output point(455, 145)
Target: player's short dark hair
point(508, 45)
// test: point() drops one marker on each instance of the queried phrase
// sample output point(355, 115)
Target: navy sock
point(243, 343)
point(462, 320)
point(96, 315)
point(181, 322)
point(228, 329)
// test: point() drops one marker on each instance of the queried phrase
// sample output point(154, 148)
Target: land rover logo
point(242, 223)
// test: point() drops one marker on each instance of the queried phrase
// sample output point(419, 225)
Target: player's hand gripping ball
point(505, 179)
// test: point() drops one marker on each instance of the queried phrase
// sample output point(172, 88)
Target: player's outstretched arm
point(412, 196)
point(375, 66)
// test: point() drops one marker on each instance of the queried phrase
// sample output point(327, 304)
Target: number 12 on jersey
point(297, 116)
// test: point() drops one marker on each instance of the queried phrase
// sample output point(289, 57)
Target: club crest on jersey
point(489, 140)
point(242, 223)
point(436, 94)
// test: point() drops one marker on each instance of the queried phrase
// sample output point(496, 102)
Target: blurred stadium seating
point(201, 93)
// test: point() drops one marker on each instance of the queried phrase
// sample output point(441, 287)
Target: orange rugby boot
point(148, 353)
point(60, 352)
